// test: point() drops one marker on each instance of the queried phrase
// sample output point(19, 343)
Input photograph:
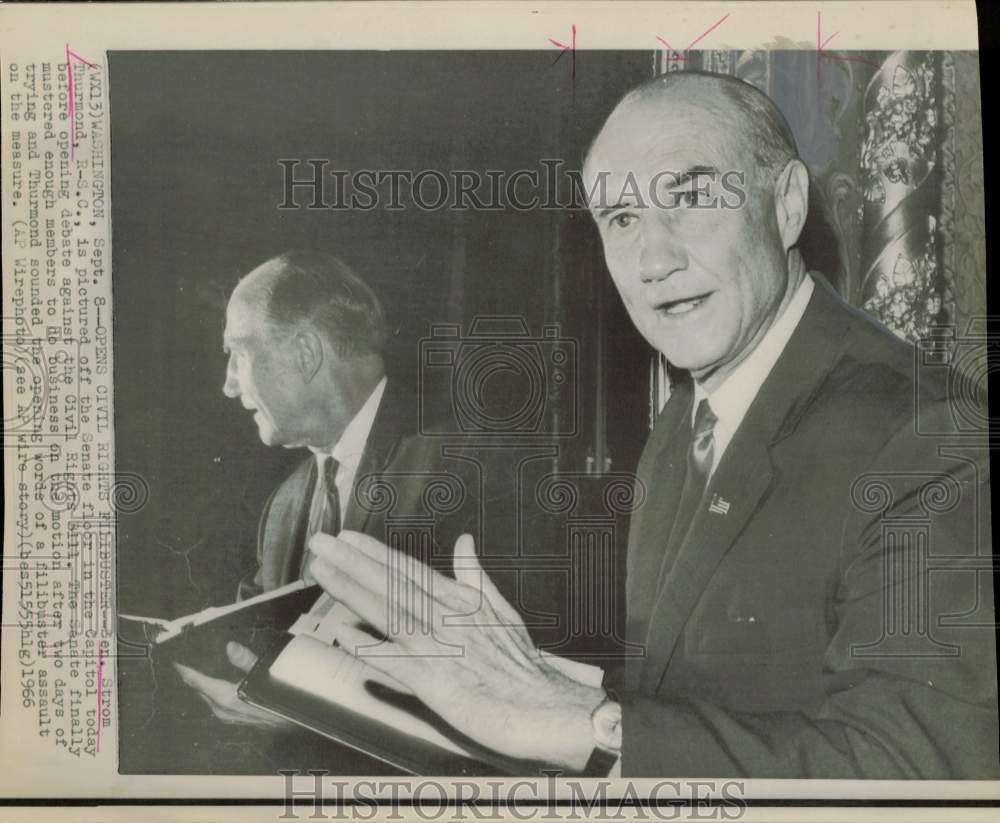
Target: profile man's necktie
point(329, 520)
point(331, 507)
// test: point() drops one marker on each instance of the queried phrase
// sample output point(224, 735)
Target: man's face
point(260, 372)
point(700, 283)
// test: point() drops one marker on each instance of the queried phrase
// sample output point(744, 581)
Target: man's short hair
point(748, 115)
point(323, 290)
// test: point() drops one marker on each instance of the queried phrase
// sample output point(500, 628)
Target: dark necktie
point(331, 503)
point(699, 461)
point(699, 464)
point(329, 520)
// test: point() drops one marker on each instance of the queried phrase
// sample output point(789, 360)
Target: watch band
point(600, 763)
point(604, 756)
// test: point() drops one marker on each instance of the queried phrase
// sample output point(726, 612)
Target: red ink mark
point(82, 59)
point(70, 56)
point(564, 48)
point(821, 48)
point(678, 55)
point(100, 692)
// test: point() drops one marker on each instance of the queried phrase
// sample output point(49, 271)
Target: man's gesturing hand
point(221, 695)
point(459, 646)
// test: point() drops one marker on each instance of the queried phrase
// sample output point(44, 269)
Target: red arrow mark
point(677, 55)
point(564, 48)
point(821, 46)
point(70, 57)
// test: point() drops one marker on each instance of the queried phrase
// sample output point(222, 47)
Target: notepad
point(326, 689)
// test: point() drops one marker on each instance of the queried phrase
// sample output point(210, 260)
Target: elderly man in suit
point(786, 631)
point(304, 338)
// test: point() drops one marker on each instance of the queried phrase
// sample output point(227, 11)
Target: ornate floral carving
point(901, 282)
point(908, 297)
point(946, 222)
point(901, 128)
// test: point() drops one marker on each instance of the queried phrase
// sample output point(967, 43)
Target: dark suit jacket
point(831, 615)
point(420, 490)
point(409, 490)
point(416, 492)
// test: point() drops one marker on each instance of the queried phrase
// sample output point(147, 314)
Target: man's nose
point(660, 254)
point(231, 387)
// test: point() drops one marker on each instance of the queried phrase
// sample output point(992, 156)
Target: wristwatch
point(606, 723)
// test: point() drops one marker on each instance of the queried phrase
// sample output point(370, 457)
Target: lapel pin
point(719, 505)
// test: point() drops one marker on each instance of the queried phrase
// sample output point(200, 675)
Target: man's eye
point(623, 221)
point(691, 197)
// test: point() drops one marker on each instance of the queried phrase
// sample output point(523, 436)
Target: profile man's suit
point(401, 462)
point(390, 492)
point(788, 635)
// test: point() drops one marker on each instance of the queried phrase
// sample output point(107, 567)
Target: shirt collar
point(731, 400)
point(351, 445)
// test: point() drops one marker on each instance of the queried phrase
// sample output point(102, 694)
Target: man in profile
point(784, 633)
point(304, 338)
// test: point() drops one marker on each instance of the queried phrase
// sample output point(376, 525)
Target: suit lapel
point(744, 476)
point(287, 522)
point(661, 475)
point(386, 433)
point(741, 481)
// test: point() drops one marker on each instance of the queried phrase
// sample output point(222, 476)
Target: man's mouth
point(686, 305)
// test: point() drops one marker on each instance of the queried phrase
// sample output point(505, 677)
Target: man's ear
point(791, 201)
point(308, 353)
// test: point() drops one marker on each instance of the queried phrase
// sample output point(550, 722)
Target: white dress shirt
point(731, 400)
point(347, 452)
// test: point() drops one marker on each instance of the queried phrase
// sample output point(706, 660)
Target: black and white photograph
point(415, 296)
point(528, 409)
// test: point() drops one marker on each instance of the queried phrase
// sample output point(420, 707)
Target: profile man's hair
point(321, 289)
point(748, 115)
